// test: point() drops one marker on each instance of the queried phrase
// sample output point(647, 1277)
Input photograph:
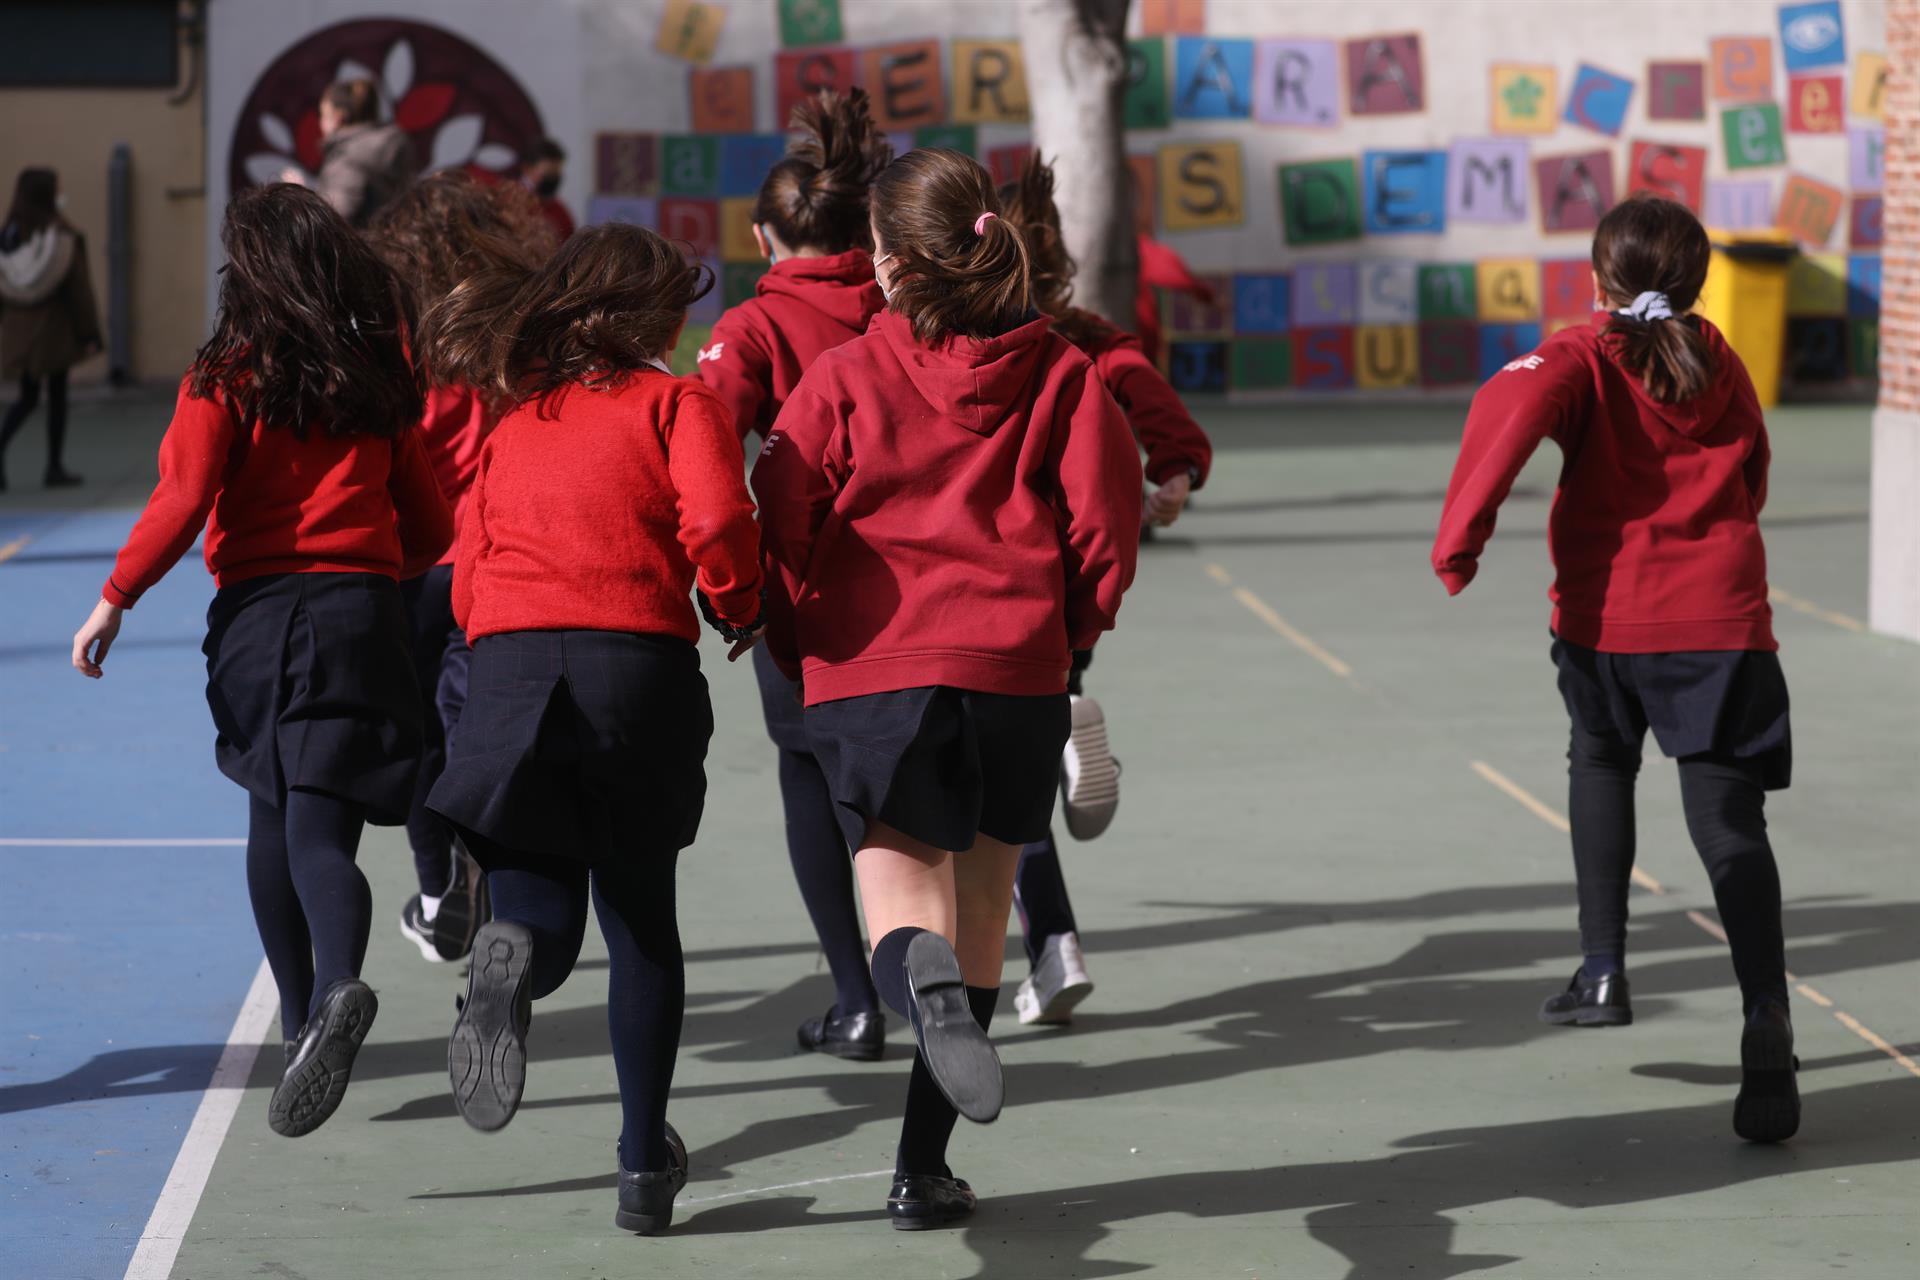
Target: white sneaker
point(1089, 775)
point(1057, 985)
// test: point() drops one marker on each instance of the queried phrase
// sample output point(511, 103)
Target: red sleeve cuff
point(116, 597)
point(1455, 576)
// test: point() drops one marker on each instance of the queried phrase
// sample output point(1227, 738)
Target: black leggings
point(646, 976)
point(1040, 895)
point(311, 903)
point(56, 416)
point(1725, 806)
point(823, 869)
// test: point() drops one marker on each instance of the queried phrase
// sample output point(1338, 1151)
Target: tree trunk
point(1076, 58)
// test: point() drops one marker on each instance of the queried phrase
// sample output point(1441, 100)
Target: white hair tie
point(1651, 305)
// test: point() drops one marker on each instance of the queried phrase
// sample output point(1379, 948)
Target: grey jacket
point(364, 167)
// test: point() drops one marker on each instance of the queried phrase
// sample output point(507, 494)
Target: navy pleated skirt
point(780, 704)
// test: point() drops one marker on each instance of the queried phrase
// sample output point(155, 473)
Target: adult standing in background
point(48, 319)
point(541, 168)
point(364, 164)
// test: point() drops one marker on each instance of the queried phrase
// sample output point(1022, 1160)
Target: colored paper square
point(1863, 284)
point(1213, 79)
point(1752, 136)
point(721, 99)
point(740, 281)
point(1197, 367)
point(1676, 91)
point(1739, 204)
point(1143, 185)
point(1817, 285)
point(736, 230)
point(689, 166)
point(1866, 158)
point(1598, 100)
point(1385, 75)
point(1742, 68)
point(963, 138)
point(1297, 82)
point(1147, 104)
point(1502, 344)
point(1448, 292)
point(1550, 327)
point(1487, 180)
point(1566, 289)
point(1864, 346)
point(1201, 186)
point(989, 82)
point(1864, 223)
point(899, 141)
point(1388, 292)
point(904, 87)
point(1815, 104)
point(1509, 289)
point(1323, 358)
point(799, 75)
point(1386, 356)
point(1324, 294)
point(1260, 303)
point(1817, 350)
point(705, 311)
point(1869, 86)
point(1004, 164)
point(1449, 353)
point(1188, 314)
point(745, 159)
point(634, 211)
point(804, 22)
point(689, 30)
point(1575, 191)
point(695, 221)
point(1261, 364)
point(1524, 99)
point(625, 164)
point(1812, 35)
point(1809, 210)
point(1406, 192)
point(1670, 170)
point(1320, 201)
point(1172, 17)
point(685, 357)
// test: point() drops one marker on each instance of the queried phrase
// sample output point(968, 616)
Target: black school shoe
point(922, 1201)
point(646, 1199)
point(861, 1037)
point(320, 1059)
point(487, 1052)
point(958, 1054)
point(1768, 1107)
point(1590, 1002)
point(463, 908)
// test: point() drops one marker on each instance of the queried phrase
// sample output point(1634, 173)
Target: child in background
point(296, 430)
point(1178, 458)
point(951, 503)
point(439, 231)
point(810, 221)
point(1660, 615)
point(607, 493)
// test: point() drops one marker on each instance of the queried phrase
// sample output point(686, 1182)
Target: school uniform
point(1175, 444)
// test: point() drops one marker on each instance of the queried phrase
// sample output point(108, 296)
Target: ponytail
point(816, 197)
point(1028, 202)
point(1649, 244)
point(959, 268)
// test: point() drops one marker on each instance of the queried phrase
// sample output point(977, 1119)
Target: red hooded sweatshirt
point(962, 515)
point(801, 309)
point(1173, 440)
point(455, 426)
point(1655, 532)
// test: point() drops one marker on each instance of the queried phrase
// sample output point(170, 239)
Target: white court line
point(173, 1212)
point(214, 842)
point(783, 1186)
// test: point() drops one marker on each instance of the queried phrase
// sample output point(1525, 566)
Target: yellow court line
point(1293, 635)
point(1813, 610)
point(12, 549)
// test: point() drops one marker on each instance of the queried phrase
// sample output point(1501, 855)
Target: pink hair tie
point(980, 223)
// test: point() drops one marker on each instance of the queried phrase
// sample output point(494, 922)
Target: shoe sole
point(304, 1101)
point(1606, 1017)
point(428, 951)
point(1768, 1106)
point(486, 1058)
point(1089, 800)
point(958, 1054)
point(925, 1221)
point(850, 1050)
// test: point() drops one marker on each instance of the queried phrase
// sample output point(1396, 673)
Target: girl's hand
point(1165, 504)
point(741, 647)
point(91, 642)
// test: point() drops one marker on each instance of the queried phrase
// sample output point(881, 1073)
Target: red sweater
point(598, 510)
point(1159, 418)
point(455, 426)
point(962, 515)
point(801, 309)
point(1160, 268)
point(1654, 534)
point(280, 504)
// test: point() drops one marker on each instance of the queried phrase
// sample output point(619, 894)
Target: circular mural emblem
point(459, 105)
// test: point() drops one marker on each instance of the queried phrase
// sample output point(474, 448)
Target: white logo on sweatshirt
point(1524, 362)
point(710, 353)
point(773, 438)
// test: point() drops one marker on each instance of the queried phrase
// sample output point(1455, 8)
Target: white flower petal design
point(495, 156)
point(455, 142)
point(275, 131)
point(399, 70)
point(267, 167)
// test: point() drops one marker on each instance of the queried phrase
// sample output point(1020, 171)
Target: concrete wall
point(1894, 578)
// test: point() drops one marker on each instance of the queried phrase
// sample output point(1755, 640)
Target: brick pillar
point(1894, 576)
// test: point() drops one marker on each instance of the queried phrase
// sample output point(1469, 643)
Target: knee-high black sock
point(1601, 769)
point(323, 836)
point(56, 422)
point(1040, 891)
point(1726, 816)
point(547, 896)
point(824, 871)
point(646, 997)
point(929, 1120)
point(277, 914)
point(890, 966)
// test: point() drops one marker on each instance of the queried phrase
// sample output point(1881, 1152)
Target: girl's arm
point(716, 515)
point(424, 519)
point(193, 463)
point(1098, 501)
point(1173, 440)
point(735, 367)
point(802, 468)
point(80, 299)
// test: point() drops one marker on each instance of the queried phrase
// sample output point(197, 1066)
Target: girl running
point(1178, 458)
point(602, 499)
point(296, 432)
point(1660, 613)
point(441, 230)
point(811, 223)
point(951, 503)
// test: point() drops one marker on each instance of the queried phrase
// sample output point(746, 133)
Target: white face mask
point(884, 291)
point(60, 202)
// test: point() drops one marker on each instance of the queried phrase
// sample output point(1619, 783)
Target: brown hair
point(607, 303)
point(816, 196)
point(357, 101)
point(1029, 205)
point(1649, 243)
point(35, 205)
point(312, 325)
point(949, 279)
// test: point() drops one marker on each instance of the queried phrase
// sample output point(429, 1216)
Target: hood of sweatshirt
point(978, 383)
point(1691, 418)
point(840, 287)
point(35, 267)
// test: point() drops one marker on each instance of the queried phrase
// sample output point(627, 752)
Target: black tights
point(646, 974)
point(824, 871)
point(29, 400)
point(311, 903)
point(1725, 807)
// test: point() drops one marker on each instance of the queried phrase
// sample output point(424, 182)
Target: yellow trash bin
point(1746, 299)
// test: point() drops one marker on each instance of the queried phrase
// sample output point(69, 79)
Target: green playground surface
point(1332, 900)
